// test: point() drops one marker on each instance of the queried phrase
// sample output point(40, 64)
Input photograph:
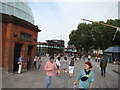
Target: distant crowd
point(55, 64)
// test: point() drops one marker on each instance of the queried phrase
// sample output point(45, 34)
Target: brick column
point(8, 49)
point(23, 52)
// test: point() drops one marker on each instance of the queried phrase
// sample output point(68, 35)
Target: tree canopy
point(94, 36)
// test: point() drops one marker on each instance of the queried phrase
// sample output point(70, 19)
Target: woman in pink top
point(50, 68)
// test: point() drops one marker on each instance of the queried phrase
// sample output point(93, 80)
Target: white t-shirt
point(89, 56)
point(58, 62)
point(35, 59)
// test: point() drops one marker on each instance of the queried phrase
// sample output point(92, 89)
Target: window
point(25, 36)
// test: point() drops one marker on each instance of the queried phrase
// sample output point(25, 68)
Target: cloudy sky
point(57, 18)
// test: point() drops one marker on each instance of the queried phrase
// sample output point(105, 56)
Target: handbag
point(84, 78)
point(19, 63)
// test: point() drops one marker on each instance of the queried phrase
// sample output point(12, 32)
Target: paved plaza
point(36, 78)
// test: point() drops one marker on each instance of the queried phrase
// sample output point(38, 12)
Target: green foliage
point(94, 36)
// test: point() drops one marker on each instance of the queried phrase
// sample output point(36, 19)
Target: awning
point(113, 50)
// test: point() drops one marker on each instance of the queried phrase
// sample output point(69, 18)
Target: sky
point(57, 18)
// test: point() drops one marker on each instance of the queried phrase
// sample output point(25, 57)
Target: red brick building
point(19, 37)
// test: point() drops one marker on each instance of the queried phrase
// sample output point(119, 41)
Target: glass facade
point(17, 8)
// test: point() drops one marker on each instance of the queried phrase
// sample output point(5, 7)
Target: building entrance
point(29, 63)
point(17, 50)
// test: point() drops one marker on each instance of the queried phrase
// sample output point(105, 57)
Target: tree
point(94, 36)
point(81, 37)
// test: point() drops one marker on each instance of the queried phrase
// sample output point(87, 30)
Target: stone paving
point(36, 78)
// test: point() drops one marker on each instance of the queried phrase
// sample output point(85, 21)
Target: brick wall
point(9, 41)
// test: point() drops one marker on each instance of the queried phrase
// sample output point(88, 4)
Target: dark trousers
point(39, 66)
point(103, 71)
point(34, 65)
point(88, 59)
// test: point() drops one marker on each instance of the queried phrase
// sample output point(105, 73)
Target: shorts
point(71, 68)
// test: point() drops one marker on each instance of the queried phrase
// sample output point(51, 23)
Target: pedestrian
point(47, 55)
point(58, 63)
point(95, 59)
point(103, 65)
point(39, 62)
point(98, 57)
point(34, 63)
point(64, 64)
point(28, 62)
point(50, 68)
point(83, 57)
point(71, 67)
point(89, 57)
point(20, 64)
point(85, 77)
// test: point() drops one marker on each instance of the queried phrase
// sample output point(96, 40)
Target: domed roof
point(17, 8)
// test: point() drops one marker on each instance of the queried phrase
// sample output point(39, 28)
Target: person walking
point(20, 64)
point(34, 63)
point(71, 67)
point(103, 65)
point(64, 64)
point(89, 57)
point(95, 59)
point(58, 63)
point(39, 62)
point(28, 62)
point(85, 77)
point(83, 57)
point(50, 68)
point(98, 57)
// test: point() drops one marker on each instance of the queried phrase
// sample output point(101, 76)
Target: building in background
point(19, 35)
point(42, 48)
point(51, 47)
point(55, 47)
point(70, 50)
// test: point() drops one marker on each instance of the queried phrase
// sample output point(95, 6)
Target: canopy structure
point(113, 50)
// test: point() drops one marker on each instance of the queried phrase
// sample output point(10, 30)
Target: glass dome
point(17, 8)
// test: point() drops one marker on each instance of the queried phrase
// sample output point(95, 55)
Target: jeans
point(49, 81)
point(103, 71)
